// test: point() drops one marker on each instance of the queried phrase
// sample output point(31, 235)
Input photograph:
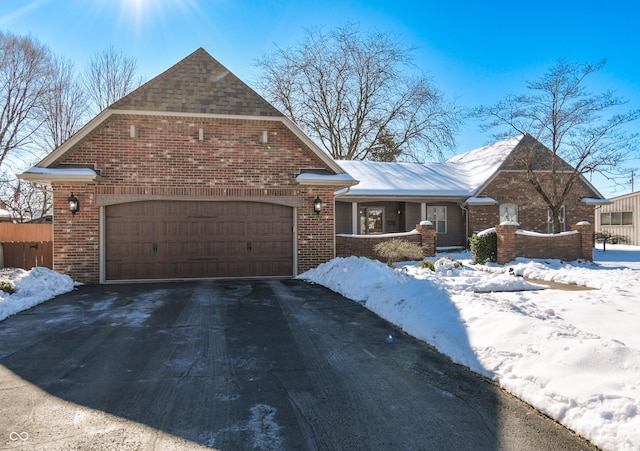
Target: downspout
point(466, 225)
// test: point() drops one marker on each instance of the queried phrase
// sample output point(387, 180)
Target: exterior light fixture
point(74, 204)
point(317, 205)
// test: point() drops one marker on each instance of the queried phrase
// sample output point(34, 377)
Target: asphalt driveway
point(242, 365)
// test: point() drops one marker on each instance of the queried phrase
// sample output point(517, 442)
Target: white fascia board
point(594, 201)
point(48, 175)
point(480, 201)
point(348, 196)
point(342, 180)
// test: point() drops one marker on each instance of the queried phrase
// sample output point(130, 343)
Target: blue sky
point(475, 51)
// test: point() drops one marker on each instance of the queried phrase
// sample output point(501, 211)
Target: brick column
point(585, 229)
point(507, 249)
point(428, 236)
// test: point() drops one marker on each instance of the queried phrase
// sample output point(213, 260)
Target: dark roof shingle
point(197, 84)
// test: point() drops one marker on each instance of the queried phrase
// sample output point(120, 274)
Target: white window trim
point(507, 205)
point(446, 221)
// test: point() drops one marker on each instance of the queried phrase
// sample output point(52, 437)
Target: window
point(438, 216)
point(508, 213)
point(616, 218)
point(562, 222)
point(372, 220)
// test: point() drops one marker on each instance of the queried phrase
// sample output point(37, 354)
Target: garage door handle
point(249, 246)
point(155, 248)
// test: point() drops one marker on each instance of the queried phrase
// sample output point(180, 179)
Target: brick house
point(465, 194)
point(192, 175)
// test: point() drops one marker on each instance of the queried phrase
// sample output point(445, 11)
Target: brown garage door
point(176, 240)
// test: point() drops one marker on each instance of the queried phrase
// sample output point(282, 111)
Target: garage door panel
point(168, 240)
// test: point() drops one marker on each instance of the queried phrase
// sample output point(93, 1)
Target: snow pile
point(574, 355)
point(31, 288)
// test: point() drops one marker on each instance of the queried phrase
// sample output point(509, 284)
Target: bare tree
point(110, 76)
point(578, 127)
point(64, 106)
point(355, 92)
point(25, 201)
point(25, 69)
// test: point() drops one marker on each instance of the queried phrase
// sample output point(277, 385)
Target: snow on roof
point(408, 179)
point(326, 179)
point(46, 175)
point(65, 171)
point(480, 201)
point(481, 164)
point(459, 176)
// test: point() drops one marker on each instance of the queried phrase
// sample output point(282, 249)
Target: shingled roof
point(531, 153)
point(197, 84)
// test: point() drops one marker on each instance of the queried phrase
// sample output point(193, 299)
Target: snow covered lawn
point(573, 354)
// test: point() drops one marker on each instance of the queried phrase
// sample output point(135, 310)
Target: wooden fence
point(26, 245)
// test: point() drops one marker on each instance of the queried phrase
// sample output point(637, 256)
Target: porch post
point(354, 218)
point(423, 211)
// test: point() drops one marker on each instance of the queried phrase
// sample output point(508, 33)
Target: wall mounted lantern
point(74, 204)
point(317, 205)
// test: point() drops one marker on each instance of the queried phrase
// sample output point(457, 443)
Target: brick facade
point(166, 160)
point(76, 238)
point(511, 187)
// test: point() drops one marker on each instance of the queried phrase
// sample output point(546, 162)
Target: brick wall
point(316, 233)
point(568, 246)
point(76, 238)
point(363, 245)
point(511, 187)
point(166, 156)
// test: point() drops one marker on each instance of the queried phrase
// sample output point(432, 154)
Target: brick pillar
point(428, 237)
point(507, 249)
point(585, 229)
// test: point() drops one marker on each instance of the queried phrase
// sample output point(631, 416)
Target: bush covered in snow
point(446, 264)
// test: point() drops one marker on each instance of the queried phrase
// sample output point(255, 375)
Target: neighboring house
point(192, 175)
point(621, 217)
point(466, 194)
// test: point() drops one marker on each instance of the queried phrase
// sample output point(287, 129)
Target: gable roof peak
point(197, 84)
point(493, 154)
